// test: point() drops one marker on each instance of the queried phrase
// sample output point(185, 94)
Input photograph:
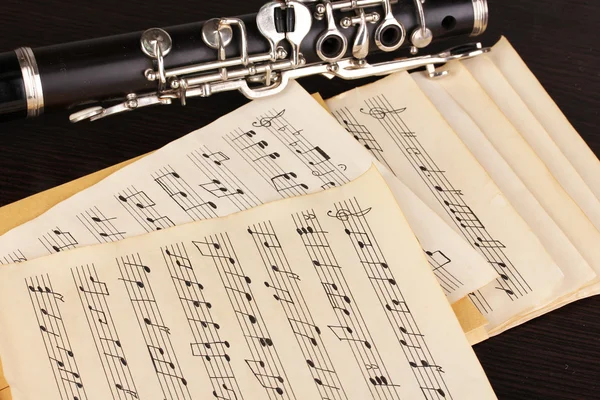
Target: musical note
point(297, 325)
point(217, 189)
point(269, 240)
point(265, 122)
point(335, 298)
point(163, 328)
point(425, 364)
point(344, 215)
point(489, 244)
point(198, 352)
point(119, 358)
point(361, 238)
point(362, 134)
point(245, 134)
point(430, 389)
point(290, 274)
point(140, 199)
point(218, 157)
point(187, 200)
point(280, 294)
point(101, 220)
point(48, 291)
point(126, 391)
point(507, 291)
point(286, 181)
point(443, 190)
point(215, 246)
point(398, 306)
point(267, 381)
point(262, 144)
point(380, 112)
point(66, 240)
point(320, 154)
point(347, 330)
point(98, 287)
point(102, 319)
point(49, 332)
point(272, 156)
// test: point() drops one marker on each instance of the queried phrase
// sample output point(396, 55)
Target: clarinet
point(256, 54)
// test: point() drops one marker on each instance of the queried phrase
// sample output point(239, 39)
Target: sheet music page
point(326, 296)
point(492, 81)
point(547, 113)
point(403, 130)
point(539, 199)
point(275, 148)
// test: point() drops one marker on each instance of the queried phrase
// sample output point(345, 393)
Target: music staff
point(208, 343)
point(45, 303)
point(58, 240)
point(143, 209)
point(265, 363)
point(313, 157)
point(254, 151)
point(104, 332)
point(451, 199)
point(439, 262)
point(180, 191)
point(15, 257)
point(286, 291)
point(100, 226)
point(216, 170)
point(135, 276)
point(413, 343)
point(350, 326)
point(361, 134)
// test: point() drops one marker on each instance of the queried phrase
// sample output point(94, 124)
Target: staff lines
point(348, 315)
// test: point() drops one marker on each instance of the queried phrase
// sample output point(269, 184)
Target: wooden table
point(553, 357)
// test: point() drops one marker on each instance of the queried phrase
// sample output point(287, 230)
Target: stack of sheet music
point(470, 186)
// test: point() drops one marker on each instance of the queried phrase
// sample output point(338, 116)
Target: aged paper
point(266, 150)
point(558, 222)
point(547, 113)
point(516, 111)
point(219, 308)
point(402, 129)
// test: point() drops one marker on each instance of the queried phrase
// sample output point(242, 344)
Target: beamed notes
point(328, 296)
point(262, 152)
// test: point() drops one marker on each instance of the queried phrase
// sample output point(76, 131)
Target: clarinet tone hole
point(332, 46)
point(449, 23)
point(391, 35)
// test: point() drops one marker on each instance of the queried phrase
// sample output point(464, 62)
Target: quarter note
point(49, 332)
point(507, 291)
point(100, 220)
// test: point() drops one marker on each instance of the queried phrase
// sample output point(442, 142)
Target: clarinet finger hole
point(332, 46)
point(391, 35)
point(449, 23)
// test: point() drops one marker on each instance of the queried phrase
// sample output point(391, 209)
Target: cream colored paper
point(547, 113)
point(364, 330)
point(267, 150)
point(561, 226)
point(491, 79)
point(396, 121)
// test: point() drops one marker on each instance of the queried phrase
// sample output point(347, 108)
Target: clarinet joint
point(266, 74)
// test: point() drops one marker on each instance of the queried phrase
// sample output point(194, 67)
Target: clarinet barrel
point(284, 39)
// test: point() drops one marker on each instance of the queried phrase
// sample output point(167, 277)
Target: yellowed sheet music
point(497, 87)
point(403, 130)
point(267, 150)
point(326, 296)
point(566, 232)
point(546, 111)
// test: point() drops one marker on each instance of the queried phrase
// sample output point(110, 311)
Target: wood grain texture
point(553, 357)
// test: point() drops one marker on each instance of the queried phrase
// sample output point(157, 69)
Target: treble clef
point(344, 215)
point(380, 112)
point(265, 122)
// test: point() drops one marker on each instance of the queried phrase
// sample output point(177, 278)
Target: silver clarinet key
point(265, 20)
point(303, 23)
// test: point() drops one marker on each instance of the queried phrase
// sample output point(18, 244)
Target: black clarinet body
point(33, 81)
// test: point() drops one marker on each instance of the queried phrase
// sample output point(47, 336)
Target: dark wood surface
point(556, 356)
